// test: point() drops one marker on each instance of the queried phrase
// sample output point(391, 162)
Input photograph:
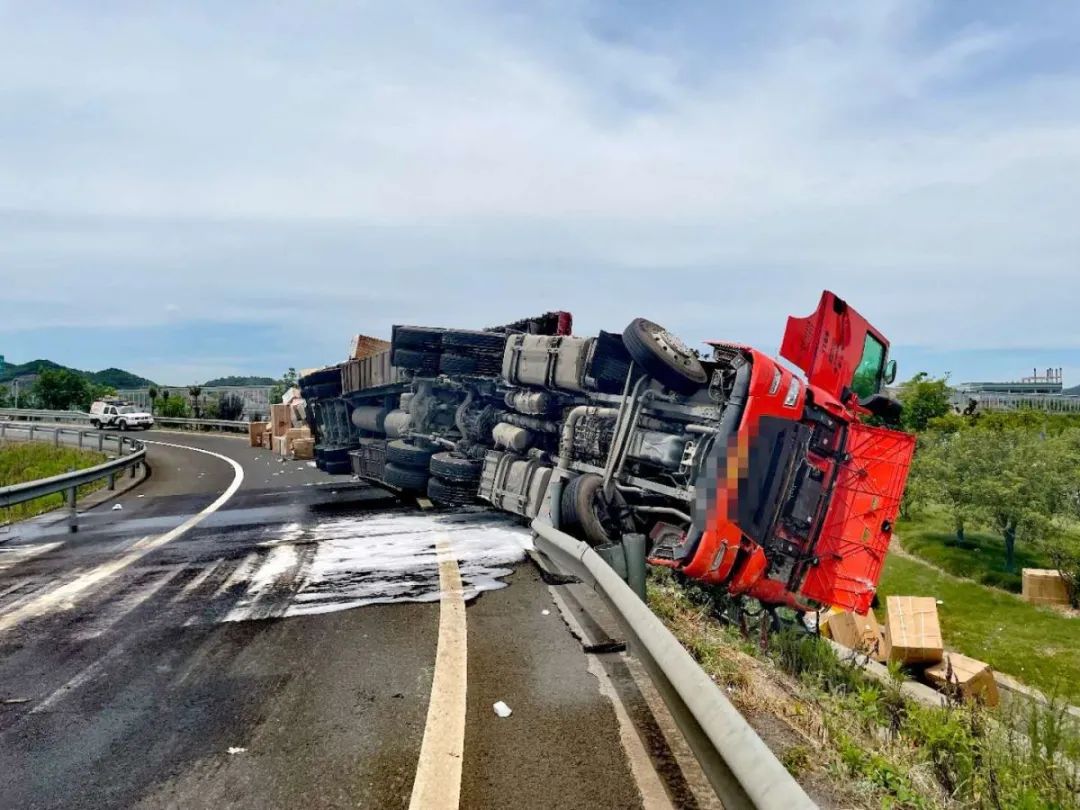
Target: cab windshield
point(128, 409)
point(867, 378)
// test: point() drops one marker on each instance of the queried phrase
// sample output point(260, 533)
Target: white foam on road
point(381, 558)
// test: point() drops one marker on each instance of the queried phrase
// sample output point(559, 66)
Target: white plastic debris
point(255, 459)
point(502, 709)
point(941, 601)
point(117, 507)
point(545, 612)
point(235, 750)
point(311, 463)
point(140, 496)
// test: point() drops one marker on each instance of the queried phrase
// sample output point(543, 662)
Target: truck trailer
point(739, 471)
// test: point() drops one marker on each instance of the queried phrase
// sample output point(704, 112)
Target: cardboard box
point(973, 679)
point(856, 632)
point(303, 448)
point(255, 433)
point(363, 346)
point(1044, 586)
point(298, 433)
point(279, 419)
point(268, 439)
point(281, 446)
point(912, 631)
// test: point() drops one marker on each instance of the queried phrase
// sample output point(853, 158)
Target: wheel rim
point(670, 345)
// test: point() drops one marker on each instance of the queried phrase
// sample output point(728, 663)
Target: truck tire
point(123, 424)
point(467, 339)
point(581, 509)
point(404, 454)
point(664, 357)
point(413, 360)
point(448, 493)
point(338, 468)
point(95, 424)
point(456, 468)
point(457, 364)
point(335, 455)
point(423, 338)
point(409, 479)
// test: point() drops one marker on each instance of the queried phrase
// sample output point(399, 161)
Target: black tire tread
point(406, 454)
point(456, 468)
point(680, 380)
point(409, 479)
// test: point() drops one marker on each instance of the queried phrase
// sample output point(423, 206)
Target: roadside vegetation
point(855, 742)
point(28, 461)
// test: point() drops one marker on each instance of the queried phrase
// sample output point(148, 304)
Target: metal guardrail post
point(56, 437)
point(101, 442)
point(112, 481)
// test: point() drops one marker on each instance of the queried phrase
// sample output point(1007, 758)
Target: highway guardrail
point(40, 415)
point(130, 454)
point(742, 769)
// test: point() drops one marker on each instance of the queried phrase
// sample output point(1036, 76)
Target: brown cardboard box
point(303, 448)
point(279, 419)
point(281, 446)
point(856, 632)
point(268, 439)
point(298, 433)
point(1044, 586)
point(912, 631)
point(364, 346)
point(255, 432)
point(972, 678)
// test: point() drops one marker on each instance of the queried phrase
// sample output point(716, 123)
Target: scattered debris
point(545, 612)
point(140, 496)
point(13, 701)
point(311, 464)
point(235, 750)
point(502, 709)
point(117, 507)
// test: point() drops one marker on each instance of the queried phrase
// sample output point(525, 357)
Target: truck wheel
point(447, 493)
point(413, 360)
point(123, 424)
point(456, 468)
point(338, 467)
point(582, 510)
point(664, 357)
point(95, 424)
point(424, 338)
point(409, 479)
point(404, 454)
point(465, 339)
point(457, 364)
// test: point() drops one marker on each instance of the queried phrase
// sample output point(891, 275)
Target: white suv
point(118, 414)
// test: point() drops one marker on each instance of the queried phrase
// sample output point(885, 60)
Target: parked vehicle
point(738, 471)
point(119, 414)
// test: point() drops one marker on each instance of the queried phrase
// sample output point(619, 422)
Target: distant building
point(1041, 392)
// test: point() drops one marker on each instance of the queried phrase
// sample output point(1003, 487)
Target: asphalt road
point(273, 654)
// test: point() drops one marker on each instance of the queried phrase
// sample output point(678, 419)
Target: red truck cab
point(797, 503)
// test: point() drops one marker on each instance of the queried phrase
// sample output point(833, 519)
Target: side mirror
point(889, 377)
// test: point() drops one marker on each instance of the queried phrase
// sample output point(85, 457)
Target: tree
point(195, 391)
point(153, 392)
point(173, 407)
point(5, 400)
point(61, 390)
point(230, 407)
point(924, 398)
point(287, 381)
point(1020, 482)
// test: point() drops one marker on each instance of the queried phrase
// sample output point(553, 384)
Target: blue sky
point(189, 190)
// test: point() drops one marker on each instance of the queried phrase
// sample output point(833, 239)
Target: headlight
point(792, 393)
point(774, 386)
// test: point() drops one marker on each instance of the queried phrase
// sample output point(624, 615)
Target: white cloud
point(360, 164)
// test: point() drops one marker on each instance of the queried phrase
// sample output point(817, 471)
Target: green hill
point(112, 377)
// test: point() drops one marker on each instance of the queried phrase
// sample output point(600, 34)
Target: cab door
point(838, 349)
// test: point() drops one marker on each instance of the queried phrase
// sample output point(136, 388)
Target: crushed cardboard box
point(912, 630)
point(303, 448)
point(255, 433)
point(973, 679)
point(857, 632)
point(280, 420)
point(1044, 586)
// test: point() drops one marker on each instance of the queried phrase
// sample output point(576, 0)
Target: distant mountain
point(112, 377)
point(1074, 391)
point(239, 381)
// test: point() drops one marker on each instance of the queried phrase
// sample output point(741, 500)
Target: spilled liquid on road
point(345, 562)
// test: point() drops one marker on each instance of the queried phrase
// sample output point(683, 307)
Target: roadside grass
point(930, 536)
point(1036, 645)
point(28, 461)
point(869, 743)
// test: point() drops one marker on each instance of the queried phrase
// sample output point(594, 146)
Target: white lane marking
point(66, 595)
point(17, 554)
point(438, 772)
point(199, 579)
point(123, 607)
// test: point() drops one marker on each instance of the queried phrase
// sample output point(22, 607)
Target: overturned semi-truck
point(738, 471)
